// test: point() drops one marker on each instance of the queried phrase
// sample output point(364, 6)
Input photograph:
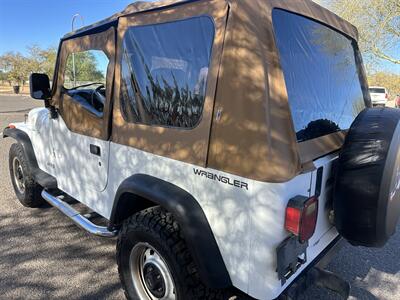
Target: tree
point(86, 68)
point(378, 23)
point(387, 80)
point(42, 60)
point(49, 57)
point(16, 66)
point(3, 76)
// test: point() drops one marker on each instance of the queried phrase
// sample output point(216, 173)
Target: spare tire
point(366, 198)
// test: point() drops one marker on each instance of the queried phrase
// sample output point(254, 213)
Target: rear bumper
point(327, 255)
point(323, 259)
point(379, 102)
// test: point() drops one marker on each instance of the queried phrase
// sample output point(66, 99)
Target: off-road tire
point(158, 228)
point(30, 196)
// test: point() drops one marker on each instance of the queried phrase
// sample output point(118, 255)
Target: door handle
point(95, 150)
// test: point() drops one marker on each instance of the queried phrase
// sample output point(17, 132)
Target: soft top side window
point(164, 72)
point(321, 75)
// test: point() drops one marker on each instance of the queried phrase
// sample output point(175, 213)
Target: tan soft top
point(142, 6)
point(255, 137)
point(136, 7)
point(252, 131)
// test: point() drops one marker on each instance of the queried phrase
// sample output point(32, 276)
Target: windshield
point(321, 75)
point(377, 90)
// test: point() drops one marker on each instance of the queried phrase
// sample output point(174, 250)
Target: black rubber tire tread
point(361, 205)
point(160, 226)
point(32, 195)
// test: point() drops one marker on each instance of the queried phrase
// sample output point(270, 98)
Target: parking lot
point(43, 255)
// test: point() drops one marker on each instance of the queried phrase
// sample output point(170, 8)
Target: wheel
point(27, 190)
point(154, 261)
point(366, 196)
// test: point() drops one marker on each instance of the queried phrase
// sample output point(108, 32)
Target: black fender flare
point(41, 177)
point(190, 216)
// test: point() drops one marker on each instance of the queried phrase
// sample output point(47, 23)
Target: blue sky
point(43, 22)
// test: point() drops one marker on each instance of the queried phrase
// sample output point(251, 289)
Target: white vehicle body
point(266, 133)
point(379, 95)
point(247, 237)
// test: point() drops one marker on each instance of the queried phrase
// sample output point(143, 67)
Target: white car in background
point(379, 95)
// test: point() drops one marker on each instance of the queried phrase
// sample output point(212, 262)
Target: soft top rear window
point(377, 90)
point(321, 75)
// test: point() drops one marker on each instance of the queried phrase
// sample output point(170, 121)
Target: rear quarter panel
point(248, 224)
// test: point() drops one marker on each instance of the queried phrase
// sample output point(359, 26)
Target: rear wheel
point(154, 261)
point(26, 188)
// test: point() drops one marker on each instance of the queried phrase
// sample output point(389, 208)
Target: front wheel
point(154, 261)
point(26, 188)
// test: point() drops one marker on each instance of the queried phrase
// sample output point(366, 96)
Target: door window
point(85, 79)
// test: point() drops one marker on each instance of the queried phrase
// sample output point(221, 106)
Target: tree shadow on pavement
point(373, 273)
point(44, 255)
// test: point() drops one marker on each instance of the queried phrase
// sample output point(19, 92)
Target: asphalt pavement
point(44, 256)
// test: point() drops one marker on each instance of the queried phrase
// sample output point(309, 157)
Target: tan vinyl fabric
point(136, 7)
point(77, 119)
point(145, 5)
point(252, 133)
point(254, 137)
point(182, 144)
point(246, 128)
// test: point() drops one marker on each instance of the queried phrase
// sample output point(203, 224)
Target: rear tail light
point(301, 217)
point(386, 96)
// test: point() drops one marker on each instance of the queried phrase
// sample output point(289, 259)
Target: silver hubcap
point(18, 175)
point(150, 274)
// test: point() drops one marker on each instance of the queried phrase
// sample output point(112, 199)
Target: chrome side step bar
point(76, 217)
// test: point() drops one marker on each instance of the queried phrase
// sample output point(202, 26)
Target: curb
point(16, 111)
point(15, 95)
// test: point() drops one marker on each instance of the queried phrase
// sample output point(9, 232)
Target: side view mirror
point(39, 86)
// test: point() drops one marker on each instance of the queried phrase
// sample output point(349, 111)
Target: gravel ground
point(44, 256)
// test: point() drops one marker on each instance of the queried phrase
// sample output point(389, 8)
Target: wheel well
point(130, 204)
point(41, 177)
point(134, 195)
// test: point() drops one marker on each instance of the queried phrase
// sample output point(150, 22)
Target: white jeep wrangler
point(229, 144)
